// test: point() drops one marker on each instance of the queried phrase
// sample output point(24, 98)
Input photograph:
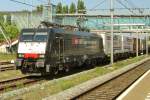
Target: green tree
point(65, 9)
point(59, 8)
point(1, 18)
point(39, 8)
point(72, 8)
point(81, 7)
point(11, 30)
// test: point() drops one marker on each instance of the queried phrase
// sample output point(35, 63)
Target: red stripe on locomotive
point(31, 55)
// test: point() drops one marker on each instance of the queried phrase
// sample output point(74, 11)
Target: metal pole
point(147, 38)
point(112, 29)
point(146, 43)
point(137, 44)
point(49, 11)
point(31, 21)
point(142, 33)
point(28, 19)
point(49, 2)
point(122, 39)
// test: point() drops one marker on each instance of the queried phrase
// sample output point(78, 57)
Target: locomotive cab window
point(31, 36)
point(41, 37)
point(27, 36)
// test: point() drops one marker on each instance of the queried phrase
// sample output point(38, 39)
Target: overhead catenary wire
point(24, 3)
point(126, 7)
point(97, 5)
point(141, 10)
point(131, 4)
point(91, 9)
point(42, 1)
point(134, 6)
point(28, 4)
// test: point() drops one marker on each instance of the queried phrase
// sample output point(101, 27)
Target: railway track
point(111, 89)
point(4, 62)
point(5, 65)
point(20, 81)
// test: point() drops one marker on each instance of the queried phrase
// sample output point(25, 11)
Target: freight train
point(124, 44)
point(51, 49)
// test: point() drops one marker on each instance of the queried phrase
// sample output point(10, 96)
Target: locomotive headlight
point(20, 55)
point(42, 56)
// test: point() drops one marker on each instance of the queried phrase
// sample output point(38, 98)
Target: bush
point(11, 31)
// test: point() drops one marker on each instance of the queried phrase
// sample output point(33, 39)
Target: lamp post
point(112, 29)
point(137, 42)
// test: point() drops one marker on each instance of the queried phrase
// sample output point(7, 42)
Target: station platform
point(140, 90)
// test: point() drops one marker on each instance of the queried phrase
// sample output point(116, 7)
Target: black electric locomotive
point(53, 49)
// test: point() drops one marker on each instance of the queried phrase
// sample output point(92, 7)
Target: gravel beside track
point(113, 88)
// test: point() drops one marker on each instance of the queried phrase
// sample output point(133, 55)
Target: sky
point(8, 5)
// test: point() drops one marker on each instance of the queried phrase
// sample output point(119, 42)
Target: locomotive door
point(60, 48)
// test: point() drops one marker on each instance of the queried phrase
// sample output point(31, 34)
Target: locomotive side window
point(41, 37)
point(28, 36)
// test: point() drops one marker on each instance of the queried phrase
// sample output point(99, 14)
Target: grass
point(63, 84)
point(7, 57)
point(127, 62)
point(10, 74)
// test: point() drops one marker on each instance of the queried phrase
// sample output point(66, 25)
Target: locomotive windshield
point(40, 37)
point(34, 37)
point(27, 37)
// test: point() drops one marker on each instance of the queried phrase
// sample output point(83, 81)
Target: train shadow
point(73, 71)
